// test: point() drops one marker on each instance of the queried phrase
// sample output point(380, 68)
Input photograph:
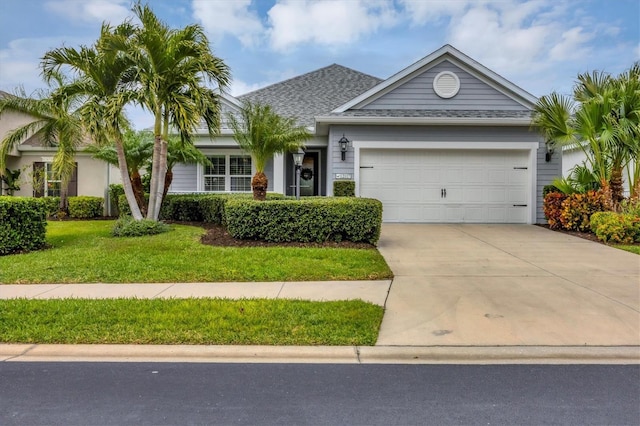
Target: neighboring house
point(573, 155)
point(443, 140)
point(92, 177)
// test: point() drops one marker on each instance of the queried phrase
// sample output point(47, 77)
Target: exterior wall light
point(297, 160)
point(344, 144)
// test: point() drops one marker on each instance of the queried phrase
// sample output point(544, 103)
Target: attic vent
point(446, 84)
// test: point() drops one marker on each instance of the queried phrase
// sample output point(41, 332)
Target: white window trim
point(227, 153)
point(48, 166)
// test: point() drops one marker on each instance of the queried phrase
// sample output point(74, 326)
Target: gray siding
point(418, 93)
point(545, 171)
point(185, 178)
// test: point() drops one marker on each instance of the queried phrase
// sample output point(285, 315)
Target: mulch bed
point(218, 236)
point(584, 235)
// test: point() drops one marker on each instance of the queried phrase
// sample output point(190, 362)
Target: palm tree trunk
point(126, 183)
point(162, 171)
point(617, 189)
point(259, 184)
point(63, 207)
point(153, 190)
point(138, 191)
point(168, 178)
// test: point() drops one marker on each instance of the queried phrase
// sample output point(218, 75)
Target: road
point(298, 394)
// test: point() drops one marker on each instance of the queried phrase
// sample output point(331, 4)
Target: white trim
point(531, 147)
point(433, 121)
point(429, 60)
point(278, 173)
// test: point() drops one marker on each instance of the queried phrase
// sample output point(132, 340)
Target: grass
point(85, 252)
point(632, 249)
point(189, 321)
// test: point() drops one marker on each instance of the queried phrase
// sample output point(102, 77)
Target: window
point(52, 183)
point(230, 173)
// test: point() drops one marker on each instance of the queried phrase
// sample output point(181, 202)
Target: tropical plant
point(173, 71)
point(602, 118)
point(11, 179)
point(56, 122)
point(261, 132)
point(580, 180)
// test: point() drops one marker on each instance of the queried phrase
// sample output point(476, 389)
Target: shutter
point(72, 188)
point(38, 179)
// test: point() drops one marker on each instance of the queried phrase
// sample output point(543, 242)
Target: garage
point(448, 186)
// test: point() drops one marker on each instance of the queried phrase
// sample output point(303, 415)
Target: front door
point(309, 178)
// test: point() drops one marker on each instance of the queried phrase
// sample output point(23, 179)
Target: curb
point(323, 354)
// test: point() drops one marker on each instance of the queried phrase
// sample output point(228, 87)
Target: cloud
point(239, 87)
point(572, 45)
point(330, 22)
point(91, 11)
point(422, 12)
point(235, 18)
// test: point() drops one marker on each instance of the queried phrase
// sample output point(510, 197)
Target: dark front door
point(309, 178)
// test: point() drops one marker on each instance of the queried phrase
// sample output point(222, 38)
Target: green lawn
point(84, 252)
point(189, 321)
point(632, 249)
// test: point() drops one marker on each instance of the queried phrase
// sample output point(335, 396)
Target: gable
point(417, 92)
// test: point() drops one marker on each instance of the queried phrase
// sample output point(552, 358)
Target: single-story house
point(443, 140)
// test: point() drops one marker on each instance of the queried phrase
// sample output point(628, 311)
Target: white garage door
point(468, 186)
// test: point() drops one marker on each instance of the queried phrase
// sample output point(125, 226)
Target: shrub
point(115, 191)
point(630, 206)
point(578, 208)
point(313, 219)
point(52, 205)
point(85, 207)
point(344, 188)
point(548, 189)
point(23, 224)
point(128, 227)
point(552, 207)
point(620, 228)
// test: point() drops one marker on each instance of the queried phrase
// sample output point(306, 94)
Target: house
point(34, 159)
point(444, 140)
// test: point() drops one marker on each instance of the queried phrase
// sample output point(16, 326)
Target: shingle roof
point(315, 93)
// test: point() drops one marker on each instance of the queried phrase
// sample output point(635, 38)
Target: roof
point(315, 93)
point(440, 113)
point(449, 52)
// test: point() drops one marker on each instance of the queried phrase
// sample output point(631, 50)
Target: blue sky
point(540, 45)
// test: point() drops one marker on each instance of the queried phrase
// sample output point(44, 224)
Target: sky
point(539, 45)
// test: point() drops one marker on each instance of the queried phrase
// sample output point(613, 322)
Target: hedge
point(344, 188)
point(85, 207)
point(312, 219)
point(620, 228)
point(115, 191)
point(23, 222)
point(194, 207)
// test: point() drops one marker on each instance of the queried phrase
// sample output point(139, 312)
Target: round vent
point(446, 84)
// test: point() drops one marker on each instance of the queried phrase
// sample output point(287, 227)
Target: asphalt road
point(299, 394)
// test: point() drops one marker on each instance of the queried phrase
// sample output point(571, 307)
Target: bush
point(115, 191)
point(313, 219)
point(52, 205)
point(631, 207)
point(85, 207)
point(578, 208)
point(548, 189)
point(552, 207)
point(23, 224)
point(619, 228)
point(128, 227)
point(344, 188)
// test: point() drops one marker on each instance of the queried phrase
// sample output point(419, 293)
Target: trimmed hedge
point(85, 207)
point(52, 204)
point(312, 219)
point(194, 207)
point(612, 227)
point(115, 191)
point(344, 188)
point(23, 222)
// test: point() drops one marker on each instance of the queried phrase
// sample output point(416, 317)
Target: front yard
point(84, 252)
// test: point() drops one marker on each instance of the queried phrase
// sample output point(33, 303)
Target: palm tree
point(183, 153)
point(138, 149)
point(56, 121)
point(262, 133)
point(104, 78)
point(173, 68)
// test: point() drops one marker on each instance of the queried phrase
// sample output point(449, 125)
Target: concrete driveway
point(507, 285)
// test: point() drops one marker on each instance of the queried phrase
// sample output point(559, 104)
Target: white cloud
point(239, 87)
point(421, 11)
point(572, 45)
point(229, 17)
point(329, 22)
point(91, 11)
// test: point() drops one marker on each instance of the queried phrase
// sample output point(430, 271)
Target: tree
point(173, 68)
point(602, 119)
point(262, 133)
point(104, 79)
point(56, 121)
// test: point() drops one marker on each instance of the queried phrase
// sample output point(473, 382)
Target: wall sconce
point(549, 154)
point(344, 144)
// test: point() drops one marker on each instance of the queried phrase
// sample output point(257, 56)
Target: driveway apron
point(497, 285)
